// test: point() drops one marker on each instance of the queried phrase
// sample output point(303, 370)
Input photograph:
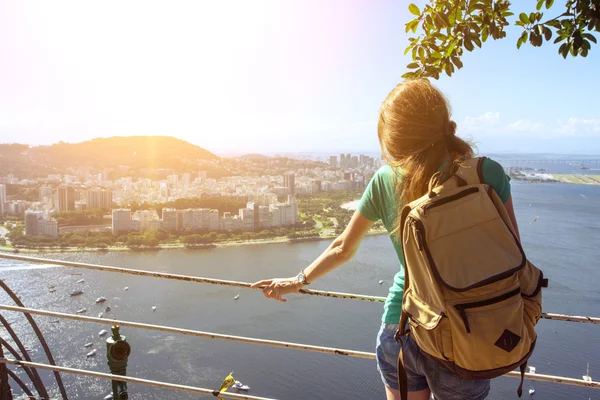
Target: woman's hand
point(277, 288)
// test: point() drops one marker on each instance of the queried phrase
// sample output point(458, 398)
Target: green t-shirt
point(379, 202)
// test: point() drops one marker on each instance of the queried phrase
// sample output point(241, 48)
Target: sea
point(563, 241)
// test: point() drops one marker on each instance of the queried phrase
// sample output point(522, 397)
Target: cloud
point(526, 126)
point(579, 127)
point(481, 122)
point(491, 124)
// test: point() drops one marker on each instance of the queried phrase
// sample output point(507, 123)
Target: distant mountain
point(136, 152)
point(252, 156)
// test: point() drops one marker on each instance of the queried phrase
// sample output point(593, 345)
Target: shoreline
point(174, 246)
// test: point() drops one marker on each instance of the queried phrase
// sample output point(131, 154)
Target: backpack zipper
point(449, 199)
point(461, 308)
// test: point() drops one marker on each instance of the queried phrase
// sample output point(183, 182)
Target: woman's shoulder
point(387, 172)
point(491, 166)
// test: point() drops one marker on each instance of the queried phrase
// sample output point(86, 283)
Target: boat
point(108, 397)
point(91, 353)
point(88, 344)
point(107, 309)
point(531, 391)
point(102, 332)
point(237, 296)
point(126, 287)
point(531, 370)
point(101, 300)
point(100, 314)
point(80, 281)
point(52, 290)
point(381, 282)
point(56, 321)
point(81, 310)
point(587, 377)
point(76, 292)
point(239, 386)
point(153, 308)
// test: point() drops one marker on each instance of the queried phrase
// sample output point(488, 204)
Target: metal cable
point(188, 278)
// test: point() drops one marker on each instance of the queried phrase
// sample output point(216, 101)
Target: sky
point(270, 76)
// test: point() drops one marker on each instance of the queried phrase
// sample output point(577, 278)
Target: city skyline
point(271, 77)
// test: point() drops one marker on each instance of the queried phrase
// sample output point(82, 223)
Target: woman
point(417, 139)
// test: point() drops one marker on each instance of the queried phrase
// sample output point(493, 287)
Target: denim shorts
point(423, 372)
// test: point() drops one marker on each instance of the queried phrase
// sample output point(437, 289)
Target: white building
point(2, 199)
point(148, 219)
point(36, 223)
point(121, 221)
point(97, 198)
point(170, 220)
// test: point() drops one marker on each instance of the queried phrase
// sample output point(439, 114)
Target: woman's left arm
point(341, 250)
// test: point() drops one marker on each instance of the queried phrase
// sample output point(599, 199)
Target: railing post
point(5, 392)
point(117, 352)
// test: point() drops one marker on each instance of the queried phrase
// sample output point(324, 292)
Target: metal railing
point(213, 335)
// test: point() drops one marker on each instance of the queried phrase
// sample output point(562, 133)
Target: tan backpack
point(471, 297)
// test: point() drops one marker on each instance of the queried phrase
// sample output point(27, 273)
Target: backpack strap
point(472, 171)
point(523, 368)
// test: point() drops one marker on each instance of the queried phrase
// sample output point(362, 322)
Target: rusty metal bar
point(264, 342)
point(129, 379)
point(189, 332)
point(187, 278)
point(40, 337)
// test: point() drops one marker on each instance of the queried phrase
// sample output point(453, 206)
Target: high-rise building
point(170, 220)
point(97, 198)
point(255, 207)
point(173, 180)
point(36, 223)
point(45, 192)
point(66, 198)
point(333, 161)
point(2, 199)
point(121, 220)
point(32, 222)
point(289, 181)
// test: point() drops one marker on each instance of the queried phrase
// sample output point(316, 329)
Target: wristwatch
point(302, 278)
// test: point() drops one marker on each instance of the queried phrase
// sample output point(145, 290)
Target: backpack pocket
point(489, 332)
point(429, 326)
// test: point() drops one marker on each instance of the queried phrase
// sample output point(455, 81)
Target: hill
point(136, 152)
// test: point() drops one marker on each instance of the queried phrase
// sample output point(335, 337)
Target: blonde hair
point(417, 136)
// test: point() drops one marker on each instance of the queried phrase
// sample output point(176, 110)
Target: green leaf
point(412, 65)
point(522, 39)
point(563, 50)
point(539, 5)
point(507, 14)
point(549, 3)
point(477, 41)
point(408, 75)
point(524, 18)
point(590, 37)
point(484, 35)
point(407, 50)
point(414, 10)
point(555, 24)
point(558, 39)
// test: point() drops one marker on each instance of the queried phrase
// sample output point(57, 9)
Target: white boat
point(102, 332)
point(531, 370)
point(108, 397)
point(81, 310)
point(81, 281)
point(237, 296)
point(587, 377)
point(88, 344)
point(101, 300)
point(531, 391)
point(76, 292)
point(153, 308)
point(381, 282)
point(52, 290)
point(126, 287)
point(91, 353)
point(100, 315)
point(240, 386)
